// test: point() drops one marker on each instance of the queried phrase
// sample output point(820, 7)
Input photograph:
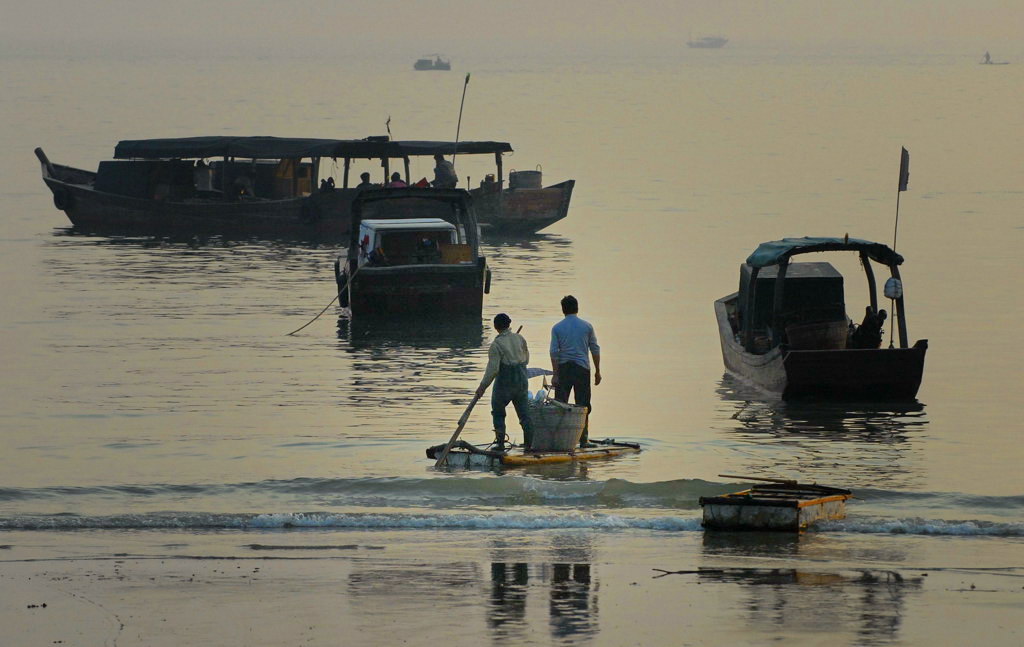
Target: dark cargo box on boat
point(140, 178)
point(814, 292)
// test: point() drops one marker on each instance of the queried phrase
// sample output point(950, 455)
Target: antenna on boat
point(904, 179)
point(458, 128)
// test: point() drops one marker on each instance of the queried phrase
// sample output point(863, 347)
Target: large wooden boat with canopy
point(787, 331)
point(273, 185)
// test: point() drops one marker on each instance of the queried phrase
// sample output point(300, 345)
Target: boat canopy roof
point(777, 251)
point(292, 148)
point(417, 224)
point(453, 196)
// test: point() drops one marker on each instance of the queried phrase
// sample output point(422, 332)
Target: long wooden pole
point(458, 128)
point(458, 430)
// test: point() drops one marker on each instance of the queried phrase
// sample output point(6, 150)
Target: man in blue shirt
point(572, 341)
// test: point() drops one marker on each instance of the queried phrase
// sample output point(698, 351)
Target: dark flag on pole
point(904, 169)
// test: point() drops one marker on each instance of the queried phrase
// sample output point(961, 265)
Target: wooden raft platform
point(467, 455)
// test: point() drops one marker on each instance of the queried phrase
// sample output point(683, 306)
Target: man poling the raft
point(506, 368)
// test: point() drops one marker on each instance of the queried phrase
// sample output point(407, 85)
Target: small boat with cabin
point(786, 330)
point(401, 263)
point(780, 505)
point(432, 62)
point(273, 186)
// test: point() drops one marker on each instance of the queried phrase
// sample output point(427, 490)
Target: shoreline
point(533, 587)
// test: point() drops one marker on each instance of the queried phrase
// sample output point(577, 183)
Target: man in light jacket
point(506, 367)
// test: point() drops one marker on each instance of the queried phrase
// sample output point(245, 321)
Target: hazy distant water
point(145, 378)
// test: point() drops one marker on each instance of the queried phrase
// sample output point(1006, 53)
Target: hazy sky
point(510, 28)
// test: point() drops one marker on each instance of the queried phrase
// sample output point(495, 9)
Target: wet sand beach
point(543, 587)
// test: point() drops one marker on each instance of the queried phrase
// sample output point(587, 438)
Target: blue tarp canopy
point(775, 252)
point(293, 148)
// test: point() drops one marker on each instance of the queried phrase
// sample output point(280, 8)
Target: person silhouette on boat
point(869, 333)
point(396, 181)
point(365, 184)
point(987, 60)
point(444, 173)
point(506, 367)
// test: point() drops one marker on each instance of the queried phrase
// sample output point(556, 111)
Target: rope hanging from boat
point(347, 283)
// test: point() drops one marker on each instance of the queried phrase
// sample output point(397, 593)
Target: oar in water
point(458, 430)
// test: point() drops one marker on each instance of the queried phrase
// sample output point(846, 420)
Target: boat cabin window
point(403, 243)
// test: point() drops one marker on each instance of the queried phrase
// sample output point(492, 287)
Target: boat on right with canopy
point(787, 330)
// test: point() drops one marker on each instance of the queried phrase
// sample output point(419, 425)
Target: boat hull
point(326, 215)
point(522, 211)
point(842, 374)
point(416, 290)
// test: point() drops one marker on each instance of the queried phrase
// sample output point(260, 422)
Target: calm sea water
point(149, 383)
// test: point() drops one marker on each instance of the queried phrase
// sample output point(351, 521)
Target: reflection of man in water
point(444, 173)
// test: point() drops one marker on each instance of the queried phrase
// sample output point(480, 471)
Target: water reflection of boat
point(452, 333)
point(866, 604)
point(873, 441)
point(787, 330)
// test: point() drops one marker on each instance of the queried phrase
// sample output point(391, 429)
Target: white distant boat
point(708, 42)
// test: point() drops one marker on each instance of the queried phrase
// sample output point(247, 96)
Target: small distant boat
point(467, 456)
point(708, 42)
point(787, 331)
point(432, 62)
point(782, 505)
point(987, 60)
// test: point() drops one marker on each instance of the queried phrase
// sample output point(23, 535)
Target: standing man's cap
point(502, 320)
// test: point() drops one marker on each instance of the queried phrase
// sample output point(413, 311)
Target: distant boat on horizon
point(708, 42)
point(435, 63)
point(987, 60)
